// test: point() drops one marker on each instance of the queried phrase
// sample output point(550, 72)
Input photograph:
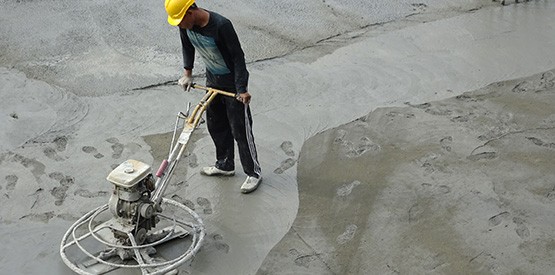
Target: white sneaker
point(213, 171)
point(250, 184)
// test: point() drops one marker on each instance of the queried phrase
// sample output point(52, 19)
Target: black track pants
point(228, 120)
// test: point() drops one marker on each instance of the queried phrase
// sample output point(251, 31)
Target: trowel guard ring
point(73, 239)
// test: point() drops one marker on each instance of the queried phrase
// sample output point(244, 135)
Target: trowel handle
point(167, 167)
point(208, 89)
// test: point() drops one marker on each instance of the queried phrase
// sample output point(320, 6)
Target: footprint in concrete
point(497, 219)
point(419, 7)
point(61, 143)
point(523, 87)
point(205, 204)
point(286, 164)
point(67, 181)
point(287, 147)
point(220, 244)
point(444, 189)
point(43, 217)
point(56, 176)
point(428, 162)
point(547, 80)
point(88, 194)
point(60, 192)
point(305, 260)
point(11, 181)
point(93, 151)
point(521, 229)
point(392, 114)
point(67, 217)
point(536, 141)
point(446, 143)
point(189, 204)
point(541, 143)
point(366, 144)
point(193, 161)
point(395, 114)
point(415, 212)
point(347, 188)
point(37, 167)
point(460, 119)
point(466, 98)
point(439, 111)
point(89, 149)
point(340, 136)
point(419, 106)
point(52, 154)
point(348, 235)
point(186, 202)
point(302, 259)
point(362, 147)
point(117, 147)
point(112, 140)
point(481, 156)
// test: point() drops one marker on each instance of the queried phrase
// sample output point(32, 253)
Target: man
point(228, 119)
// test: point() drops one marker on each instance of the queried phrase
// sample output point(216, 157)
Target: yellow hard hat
point(176, 10)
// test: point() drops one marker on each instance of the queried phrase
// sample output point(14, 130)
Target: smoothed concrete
point(86, 87)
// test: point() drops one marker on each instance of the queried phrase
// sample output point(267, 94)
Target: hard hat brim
point(175, 21)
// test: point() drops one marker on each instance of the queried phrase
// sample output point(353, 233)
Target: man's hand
point(244, 97)
point(185, 82)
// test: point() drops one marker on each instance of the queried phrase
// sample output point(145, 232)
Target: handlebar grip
point(162, 168)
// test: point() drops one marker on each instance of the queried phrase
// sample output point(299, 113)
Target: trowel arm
point(208, 89)
point(167, 167)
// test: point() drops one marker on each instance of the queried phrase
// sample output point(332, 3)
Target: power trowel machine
point(133, 229)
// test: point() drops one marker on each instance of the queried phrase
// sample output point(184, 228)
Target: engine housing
point(130, 201)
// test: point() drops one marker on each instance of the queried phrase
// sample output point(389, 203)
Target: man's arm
point(188, 50)
point(231, 42)
point(188, 60)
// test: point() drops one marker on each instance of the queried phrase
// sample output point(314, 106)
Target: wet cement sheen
point(459, 186)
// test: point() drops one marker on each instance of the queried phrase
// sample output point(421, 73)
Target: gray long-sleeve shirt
point(219, 47)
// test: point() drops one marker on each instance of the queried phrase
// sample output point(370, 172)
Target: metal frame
point(164, 174)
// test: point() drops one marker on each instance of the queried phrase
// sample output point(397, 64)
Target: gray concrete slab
point(457, 186)
point(86, 86)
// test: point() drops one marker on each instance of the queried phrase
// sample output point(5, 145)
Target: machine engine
point(130, 203)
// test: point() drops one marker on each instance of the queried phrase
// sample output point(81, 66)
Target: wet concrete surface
point(458, 186)
point(396, 185)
